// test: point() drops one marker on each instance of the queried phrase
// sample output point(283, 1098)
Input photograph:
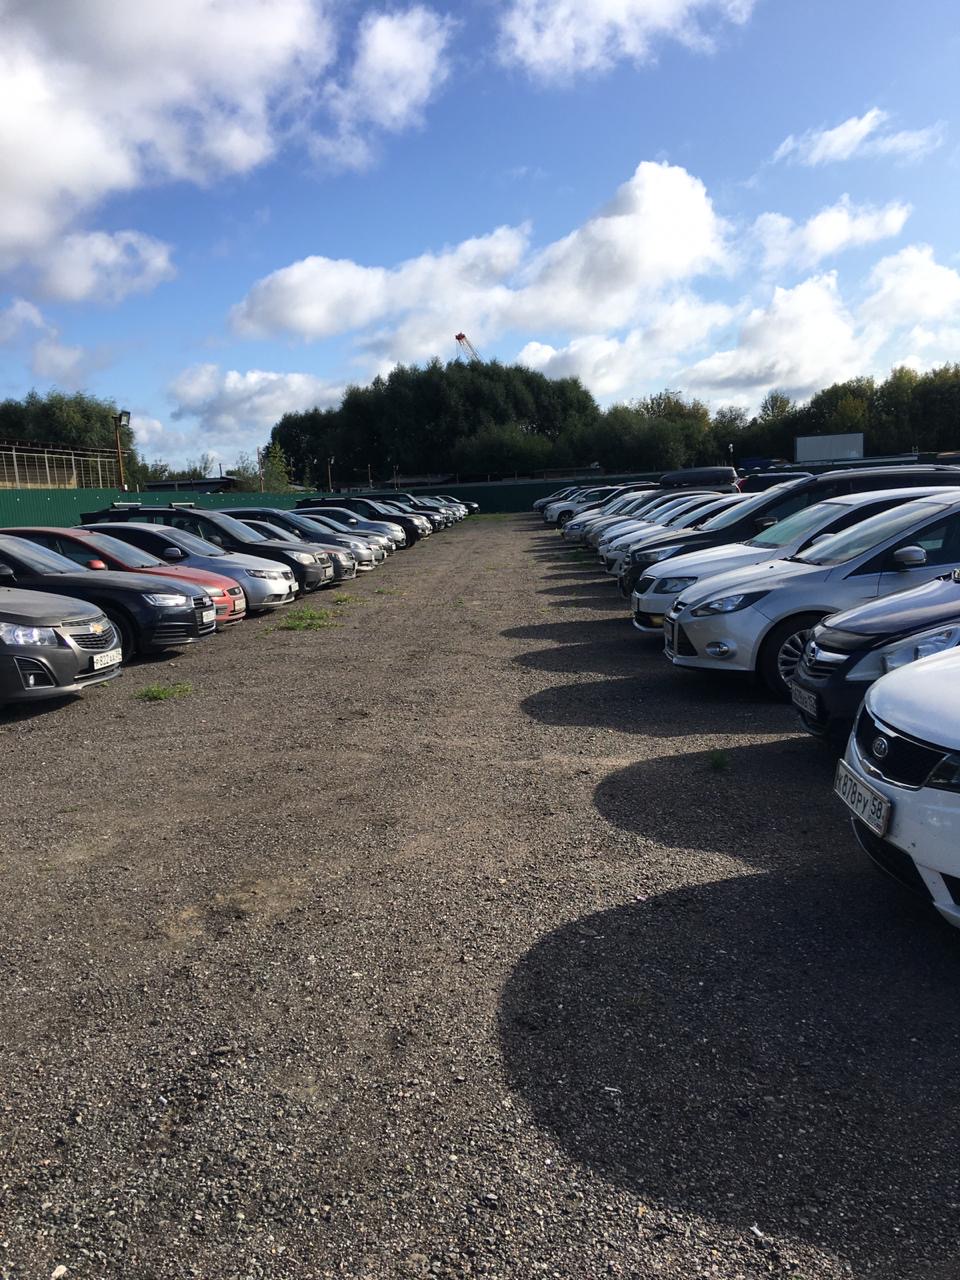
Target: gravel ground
point(465, 938)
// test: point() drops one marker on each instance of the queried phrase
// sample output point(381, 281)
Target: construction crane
point(466, 347)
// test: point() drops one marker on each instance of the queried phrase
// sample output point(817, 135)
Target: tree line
point(484, 418)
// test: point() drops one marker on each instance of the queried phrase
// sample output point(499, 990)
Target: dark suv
point(52, 646)
point(750, 517)
point(148, 614)
point(312, 569)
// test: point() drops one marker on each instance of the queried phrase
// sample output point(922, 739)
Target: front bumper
point(60, 672)
point(837, 700)
point(313, 576)
point(172, 628)
point(921, 847)
point(686, 639)
point(649, 612)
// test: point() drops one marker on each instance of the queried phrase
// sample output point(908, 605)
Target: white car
point(661, 584)
point(614, 554)
point(900, 778)
point(758, 619)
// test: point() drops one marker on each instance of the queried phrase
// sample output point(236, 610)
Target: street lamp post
point(121, 419)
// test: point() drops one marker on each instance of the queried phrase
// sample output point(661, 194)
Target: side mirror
point(172, 553)
point(6, 573)
point(96, 564)
point(909, 558)
point(764, 522)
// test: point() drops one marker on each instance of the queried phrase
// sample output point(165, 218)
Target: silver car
point(758, 619)
point(265, 583)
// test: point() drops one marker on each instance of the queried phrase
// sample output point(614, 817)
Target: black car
point(299, 527)
point(312, 569)
point(52, 646)
point(149, 614)
point(344, 562)
point(413, 526)
point(757, 481)
point(849, 650)
point(748, 518)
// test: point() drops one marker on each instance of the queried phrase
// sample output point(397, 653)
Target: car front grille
point(172, 632)
point(94, 637)
point(819, 663)
point(900, 759)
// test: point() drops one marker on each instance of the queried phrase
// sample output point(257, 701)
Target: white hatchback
point(900, 778)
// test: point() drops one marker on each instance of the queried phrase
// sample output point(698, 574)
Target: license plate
point(208, 615)
point(807, 702)
point(863, 801)
point(108, 659)
point(239, 605)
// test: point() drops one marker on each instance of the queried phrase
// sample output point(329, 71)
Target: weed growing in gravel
point(306, 618)
point(459, 601)
point(718, 761)
point(387, 591)
point(163, 692)
point(344, 597)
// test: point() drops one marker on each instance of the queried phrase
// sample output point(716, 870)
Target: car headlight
point(924, 644)
point(304, 557)
point(651, 557)
point(14, 633)
point(946, 776)
point(216, 592)
point(167, 598)
point(728, 604)
point(261, 573)
point(672, 586)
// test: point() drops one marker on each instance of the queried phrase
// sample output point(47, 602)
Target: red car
point(100, 551)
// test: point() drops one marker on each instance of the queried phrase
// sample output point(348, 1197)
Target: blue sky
point(213, 213)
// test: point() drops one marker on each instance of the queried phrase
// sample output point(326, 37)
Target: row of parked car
point(76, 603)
point(841, 593)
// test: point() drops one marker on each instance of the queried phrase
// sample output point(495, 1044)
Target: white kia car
point(661, 584)
point(900, 778)
point(758, 619)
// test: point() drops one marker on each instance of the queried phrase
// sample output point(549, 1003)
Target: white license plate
point(108, 659)
point(805, 701)
point(239, 604)
point(868, 805)
point(208, 615)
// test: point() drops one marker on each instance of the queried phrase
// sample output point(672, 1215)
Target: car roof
point(921, 468)
point(872, 495)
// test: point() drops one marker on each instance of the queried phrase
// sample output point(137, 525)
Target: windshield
point(39, 559)
point(839, 547)
point(698, 515)
point(239, 530)
point(740, 509)
point(799, 525)
point(130, 557)
point(190, 543)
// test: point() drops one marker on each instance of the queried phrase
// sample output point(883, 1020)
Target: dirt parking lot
point(463, 938)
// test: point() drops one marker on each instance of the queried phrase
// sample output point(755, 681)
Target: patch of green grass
point(163, 692)
point(718, 761)
point(459, 600)
point(344, 597)
point(306, 618)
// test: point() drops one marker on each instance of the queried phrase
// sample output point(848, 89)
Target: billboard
point(843, 448)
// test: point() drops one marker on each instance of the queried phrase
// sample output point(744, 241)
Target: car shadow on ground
point(773, 1050)
point(653, 798)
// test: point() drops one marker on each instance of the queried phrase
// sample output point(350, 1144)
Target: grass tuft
point(306, 618)
point(164, 692)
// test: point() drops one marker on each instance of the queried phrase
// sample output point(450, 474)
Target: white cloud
point(864, 135)
point(557, 39)
point(804, 339)
point(400, 65)
point(612, 366)
point(105, 266)
point(843, 225)
point(232, 404)
point(60, 363)
point(19, 317)
point(659, 232)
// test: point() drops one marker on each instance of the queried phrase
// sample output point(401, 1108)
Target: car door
point(941, 542)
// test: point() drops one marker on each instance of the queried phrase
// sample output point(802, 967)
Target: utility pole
point(369, 477)
point(260, 468)
point(330, 462)
point(121, 419)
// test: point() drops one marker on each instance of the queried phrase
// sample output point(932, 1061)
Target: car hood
point(42, 608)
point(273, 544)
point(239, 559)
point(922, 699)
point(753, 577)
point(709, 561)
point(910, 610)
point(92, 580)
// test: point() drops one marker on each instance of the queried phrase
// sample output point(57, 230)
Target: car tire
point(782, 649)
point(563, 517)
point(128, 642)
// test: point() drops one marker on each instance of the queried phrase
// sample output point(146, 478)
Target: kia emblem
point(880, 748)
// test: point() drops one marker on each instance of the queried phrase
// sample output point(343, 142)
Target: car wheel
point(563, 517)
point(128, 643)
point(782, 651)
